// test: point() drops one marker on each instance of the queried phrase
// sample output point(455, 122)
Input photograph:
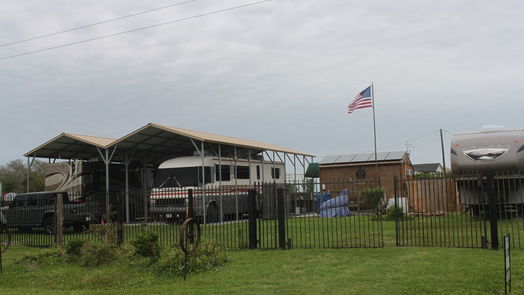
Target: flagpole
point(374, 124)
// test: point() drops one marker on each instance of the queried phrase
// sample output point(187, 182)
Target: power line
point(411, 140)
point(134, 30)
point(405, 143)
point(95, 24)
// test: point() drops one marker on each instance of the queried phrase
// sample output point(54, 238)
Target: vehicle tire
point(5, 239)
point(49, 224)
point(212, 213)
point(80, 227)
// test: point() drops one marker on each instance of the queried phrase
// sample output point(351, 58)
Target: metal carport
point(155, 143)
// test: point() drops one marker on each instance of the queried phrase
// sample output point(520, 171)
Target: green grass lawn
point(303, 271)
point(387, 270)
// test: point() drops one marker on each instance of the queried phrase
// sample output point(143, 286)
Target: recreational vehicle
point(497, 153)
point(220, 185)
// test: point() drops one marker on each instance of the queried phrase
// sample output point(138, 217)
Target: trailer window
point(180, 177)
point(275, 173)
point(485, 153)
point(226, 172)
point(242, 172)
point(258, 172)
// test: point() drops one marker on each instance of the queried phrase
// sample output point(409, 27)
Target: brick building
point(337, 169)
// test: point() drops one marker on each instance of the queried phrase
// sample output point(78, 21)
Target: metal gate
point(317, 215)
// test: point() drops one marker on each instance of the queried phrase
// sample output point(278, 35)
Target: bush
point(93, 254)
point(392, 213)
point(146, 245)
point(73, 248)
point(106, 232)
point(210, 256)
point(372, 197)
point(46, 256)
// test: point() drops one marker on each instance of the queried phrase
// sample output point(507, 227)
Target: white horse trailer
point(496, 153)
point(220, 185)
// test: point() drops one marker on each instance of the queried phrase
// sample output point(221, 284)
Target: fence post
point(252, 219)
point(281, 213)
point(492, 210)
point(190, 209)
point(397, 212)
point(59, 220)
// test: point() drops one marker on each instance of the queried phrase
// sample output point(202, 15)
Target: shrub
point(93, 254)
point(372, 197)
point(392, 213)
point(146, 245)
point(210, 256)
point(45, 256)
point(73, 248)
point(106, 232)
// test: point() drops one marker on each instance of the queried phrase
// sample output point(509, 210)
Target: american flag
point(362, 100)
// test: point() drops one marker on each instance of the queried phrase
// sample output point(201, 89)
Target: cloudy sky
point(281, 72)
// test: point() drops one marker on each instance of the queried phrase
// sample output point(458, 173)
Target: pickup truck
point(37, 209)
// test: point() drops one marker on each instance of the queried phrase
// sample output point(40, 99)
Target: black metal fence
point(467, 210)
point(440, 211)
point(31, 219)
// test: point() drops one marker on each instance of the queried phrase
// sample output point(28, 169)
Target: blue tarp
point(336, 207)
point(321, 199)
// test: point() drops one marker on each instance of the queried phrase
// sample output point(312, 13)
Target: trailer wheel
point(212, 213)
point(49, 224)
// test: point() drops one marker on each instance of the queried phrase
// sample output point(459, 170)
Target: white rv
point(498, 153)
point(220, 189)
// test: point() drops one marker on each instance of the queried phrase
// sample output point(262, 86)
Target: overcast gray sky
point(281, 72)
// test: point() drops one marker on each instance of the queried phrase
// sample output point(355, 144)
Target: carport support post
point(220, 182)
point(29, 164)
point(203, 182)
point(236, 183)
point(127, 160)
point(108, 211)
point(107, 159)
point(144, 187)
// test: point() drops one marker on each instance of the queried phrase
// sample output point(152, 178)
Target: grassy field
point(389, 270)
point(418, 269)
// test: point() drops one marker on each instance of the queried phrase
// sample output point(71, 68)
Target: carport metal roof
point(155, 140)
point(71, 146)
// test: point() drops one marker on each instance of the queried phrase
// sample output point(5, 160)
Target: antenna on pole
point(408, 146)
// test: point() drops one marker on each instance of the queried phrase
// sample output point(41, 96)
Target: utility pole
point(443, 154)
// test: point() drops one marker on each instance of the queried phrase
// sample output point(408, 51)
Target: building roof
point(162, 137)
point(427, 167)
point(153, 140)
point(364, 158)
point(71, 146)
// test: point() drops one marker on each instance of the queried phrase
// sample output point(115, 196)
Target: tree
point(13, 176)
